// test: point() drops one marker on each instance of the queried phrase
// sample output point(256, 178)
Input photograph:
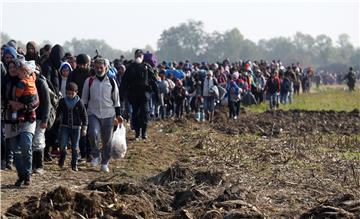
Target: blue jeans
point(284, 97)
point(74, 135)
point(22, 149)
point(274, 98)
point(101, 129)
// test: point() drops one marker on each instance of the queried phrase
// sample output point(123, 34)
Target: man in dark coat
point(138, 82)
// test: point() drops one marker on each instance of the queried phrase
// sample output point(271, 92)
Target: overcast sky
point(127, 24)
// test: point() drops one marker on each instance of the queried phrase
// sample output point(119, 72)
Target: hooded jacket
point(51, 66)
point(35, 56)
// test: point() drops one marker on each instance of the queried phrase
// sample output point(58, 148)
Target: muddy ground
point(284, 164)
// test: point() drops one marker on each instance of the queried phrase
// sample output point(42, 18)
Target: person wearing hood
point(50, 68)
point(101, 96)
point(65, 69)
point(9, 54)
point(73, 123)
point(32, 53)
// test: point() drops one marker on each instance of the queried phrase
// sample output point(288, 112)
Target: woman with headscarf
point(50, 68)
point(32, 53)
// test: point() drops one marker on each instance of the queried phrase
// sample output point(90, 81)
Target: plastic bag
point(118, 143)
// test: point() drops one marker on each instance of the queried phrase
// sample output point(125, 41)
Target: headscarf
point(56, 54)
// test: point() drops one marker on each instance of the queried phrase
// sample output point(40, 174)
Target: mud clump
point(178, 192)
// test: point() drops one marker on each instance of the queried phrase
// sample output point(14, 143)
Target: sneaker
point(95, 162)
point(75, 168)
point(105, 168)
point(235, 117)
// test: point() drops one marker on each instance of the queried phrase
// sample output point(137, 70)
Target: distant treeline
point(190, 41)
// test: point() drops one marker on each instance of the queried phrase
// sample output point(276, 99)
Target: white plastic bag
point(118, 143)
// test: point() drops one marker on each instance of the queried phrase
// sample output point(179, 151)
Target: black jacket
point(42, 112)
point(72, 117)
point(50, 69)
point(78, 77)
point(138, 80)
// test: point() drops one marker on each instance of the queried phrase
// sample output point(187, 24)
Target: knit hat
point(10, 50)
point(82, 59)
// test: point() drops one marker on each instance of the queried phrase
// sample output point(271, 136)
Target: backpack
point(54, 101)
point(112, 82)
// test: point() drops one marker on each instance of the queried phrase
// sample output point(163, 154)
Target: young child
point(26, 92)
point(179, 94)
point(73, 123)
point(65, 69)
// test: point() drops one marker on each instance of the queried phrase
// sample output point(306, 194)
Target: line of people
point(54, 100)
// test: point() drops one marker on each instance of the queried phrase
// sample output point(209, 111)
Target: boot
point(62, 159)
point(27, 180)
point(37, 162)
point(144, 133)
point(19, 181)
point(137, 134)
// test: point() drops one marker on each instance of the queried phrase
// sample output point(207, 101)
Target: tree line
point(190, 41)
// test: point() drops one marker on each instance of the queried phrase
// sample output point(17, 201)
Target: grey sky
point(128, 24)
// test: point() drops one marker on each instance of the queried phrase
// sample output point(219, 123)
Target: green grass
point(322, 98)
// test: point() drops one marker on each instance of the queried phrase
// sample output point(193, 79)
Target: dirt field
point(285, 164)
